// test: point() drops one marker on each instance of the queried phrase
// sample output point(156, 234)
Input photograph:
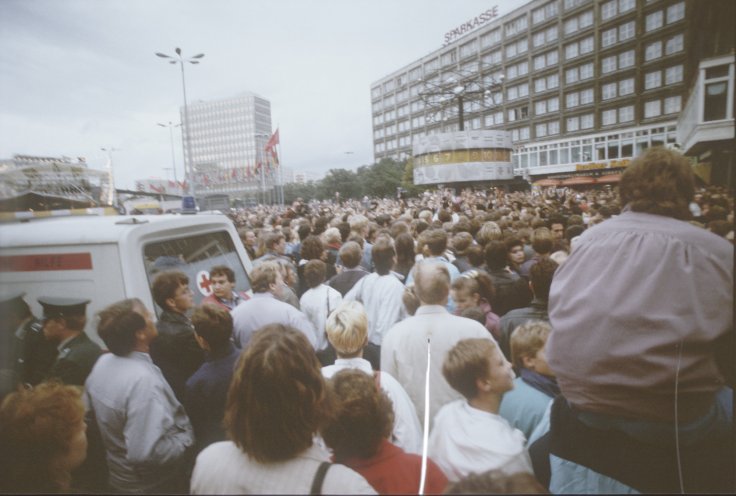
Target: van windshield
point(195, 256)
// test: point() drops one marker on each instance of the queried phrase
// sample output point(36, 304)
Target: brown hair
point(468, 360)
point(213, 324)
point(312, 248)
point(223, 270)
point(165, 285)
point(277, 399)
point(36, 427)
point(118, 324)
point(659, 181)
point(541, 275)
point(542, 241)
point(263, 276)
point(383, 254)
point(350, 254)
point(362, 415)
point(527, 339)
point(314, 272)
point(435, 240)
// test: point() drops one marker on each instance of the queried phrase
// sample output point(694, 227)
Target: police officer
point(63, 324)
point(25, 356)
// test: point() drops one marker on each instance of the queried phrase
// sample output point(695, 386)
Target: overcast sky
point(78, 75)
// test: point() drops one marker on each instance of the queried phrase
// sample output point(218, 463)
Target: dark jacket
point(75, 360)
point(206, 392)
point(511, 291)
point(345, 280)
point(175, 351)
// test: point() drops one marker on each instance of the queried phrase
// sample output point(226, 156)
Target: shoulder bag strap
point(319, 478)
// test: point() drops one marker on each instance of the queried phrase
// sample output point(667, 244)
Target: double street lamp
point(179, 59)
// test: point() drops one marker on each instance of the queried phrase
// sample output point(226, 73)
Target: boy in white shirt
point(468, 435)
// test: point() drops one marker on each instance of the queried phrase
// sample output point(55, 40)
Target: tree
point(381, 179)
point(343, 181)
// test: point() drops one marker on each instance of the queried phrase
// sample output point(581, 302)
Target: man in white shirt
point(404, 350)
point(380, 293)
point(264, 308)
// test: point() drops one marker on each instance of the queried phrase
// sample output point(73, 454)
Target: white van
point(109, 258)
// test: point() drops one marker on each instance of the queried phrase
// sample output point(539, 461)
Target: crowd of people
point(556, 340)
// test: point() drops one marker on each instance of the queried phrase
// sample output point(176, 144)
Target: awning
point(547, 182)
point(608, 179)
point(577, 181)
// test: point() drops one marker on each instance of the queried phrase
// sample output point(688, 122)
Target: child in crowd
point(469, 435)
point(525, 405)
point(475, 289)
point(359, 431)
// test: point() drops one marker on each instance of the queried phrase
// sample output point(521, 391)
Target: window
point(572, 75)
point(572, 99)
point(538, 39)
point(571, 4)
point(586, 96)
point(415, 74)
point(200, 252)
point(674, 44)
point(586, 71)
point(608, 64)
point(608, 117)
point(652, 80)
point(470, 48)
point(540, 84)
point(626, 59)
point(516, 26)
point(672, 104)
point(547, 11)
point(553, 127)
point(608, 91)
point(586, 121)
point(571, 51)
point(715, 107)
point(491, 38)
point(541, 130)
point(432, 65)
point(673, 74)
point(653, 51)
point(376, 92)
point(609, 9)
point(627, 31)
point(388, 86)
point(626, 5)
point(492, 58)
point(573, 123)
point(653, 21)
point(626, 87)
point(609, 37)
point(652, 109)
point(626, 114)
point(449, 58)
point(587, 45)
point(675, 12)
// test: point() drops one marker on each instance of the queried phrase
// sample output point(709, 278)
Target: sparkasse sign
point(470, 25)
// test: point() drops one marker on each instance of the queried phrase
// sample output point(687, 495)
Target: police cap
point(62, 307)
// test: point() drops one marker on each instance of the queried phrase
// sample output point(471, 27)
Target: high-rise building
point(227, 140)
point(583, 86)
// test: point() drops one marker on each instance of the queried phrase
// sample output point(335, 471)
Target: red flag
point(272, 141)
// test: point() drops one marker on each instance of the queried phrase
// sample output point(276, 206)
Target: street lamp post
point(110, 175)
point(171, 127)
point(186, 135)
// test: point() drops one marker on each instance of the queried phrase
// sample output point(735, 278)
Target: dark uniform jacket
point(75, 360)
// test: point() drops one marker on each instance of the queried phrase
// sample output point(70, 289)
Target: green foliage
point(379, 179)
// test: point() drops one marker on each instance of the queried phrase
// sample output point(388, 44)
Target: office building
point(227, 140)
point(583, 86)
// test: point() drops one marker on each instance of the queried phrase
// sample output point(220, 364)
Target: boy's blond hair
point(347, 328)
point(468, 361)
point(527, 339)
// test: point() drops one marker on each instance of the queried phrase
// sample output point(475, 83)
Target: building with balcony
point(583, 86)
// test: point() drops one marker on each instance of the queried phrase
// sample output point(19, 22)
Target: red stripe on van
point(52, 261)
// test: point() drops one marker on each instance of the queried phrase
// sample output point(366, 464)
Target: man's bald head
point(431, 283)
